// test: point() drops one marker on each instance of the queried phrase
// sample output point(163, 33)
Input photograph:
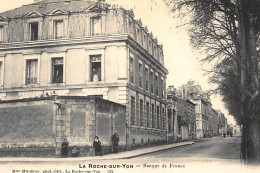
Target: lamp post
point(54, 96)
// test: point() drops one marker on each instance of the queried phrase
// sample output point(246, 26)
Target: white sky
point(180, 59)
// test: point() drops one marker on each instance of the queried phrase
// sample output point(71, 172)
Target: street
point(206, 149)
point(217, 154)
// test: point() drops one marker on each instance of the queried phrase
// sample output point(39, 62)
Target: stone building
point(203, 108)
point(215, 122)
point(186, 111)
point(86, 48)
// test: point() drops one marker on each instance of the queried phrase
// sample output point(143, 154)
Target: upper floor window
point(145, 42)
point(141, 75)
point(33, 31)
point(149, 46)
point(58, 28)
point(131, 70)
point(57, 70)
point(95, 63)
point(96, 26)
point(1, 33)
point(31, 71)
point(138, 37)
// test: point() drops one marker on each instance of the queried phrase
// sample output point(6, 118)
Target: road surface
point(211, 155)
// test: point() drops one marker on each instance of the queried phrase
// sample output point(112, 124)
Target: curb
point(160, 150)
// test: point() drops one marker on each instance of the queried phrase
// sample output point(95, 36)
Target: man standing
point(64, 148)
point(115, 140)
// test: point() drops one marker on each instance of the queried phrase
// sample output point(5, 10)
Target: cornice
point(61, 42)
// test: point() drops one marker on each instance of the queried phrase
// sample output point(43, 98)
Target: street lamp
point(54, 96)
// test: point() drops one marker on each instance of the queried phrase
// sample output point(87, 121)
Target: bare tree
point(227, 33)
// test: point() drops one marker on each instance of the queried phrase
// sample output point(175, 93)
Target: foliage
point(227, 33)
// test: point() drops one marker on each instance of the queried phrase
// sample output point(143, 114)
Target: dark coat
point(115, 138)
point(97, 146)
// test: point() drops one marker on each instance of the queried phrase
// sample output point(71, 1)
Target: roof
point(47, 6)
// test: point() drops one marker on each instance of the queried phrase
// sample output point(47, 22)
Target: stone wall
point(37, 127)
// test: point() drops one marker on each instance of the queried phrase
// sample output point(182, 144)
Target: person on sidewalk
point(64, 148)
point(74, 152)
point(115, 140)
point(97, 146)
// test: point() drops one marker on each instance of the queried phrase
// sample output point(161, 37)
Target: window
point(57, 70)
point(149, 47)
point(0, 74)
point(145, 42)
point(1, 33)
point(156, 85)
point(162, 85)
point(141, 75)
point(31, 71)
point(95, 26)
point(34, 31)
point(58, 28)
point(141, 112)
point(158, 116)
point(130, 28)
point(151, 80)
point(131, 70)
point(163, 119)
point(148, 114)
point(133, 140)
point(133, 120)
point(95, 63)
point(138, 35)
point(154, 52)
point(146, 79)
point(153, 116)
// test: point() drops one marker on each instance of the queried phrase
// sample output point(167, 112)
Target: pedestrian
point(64, 148)
point(97, 146)
point(115, 140)
point(74, 152)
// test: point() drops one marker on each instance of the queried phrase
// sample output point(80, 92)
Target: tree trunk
point(250, 145)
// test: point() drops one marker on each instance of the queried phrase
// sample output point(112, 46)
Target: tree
point(227, 33)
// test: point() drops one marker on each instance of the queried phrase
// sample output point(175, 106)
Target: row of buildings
point(76, 69)
point(195, 116)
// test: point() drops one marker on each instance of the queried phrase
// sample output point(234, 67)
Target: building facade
point(86, 48)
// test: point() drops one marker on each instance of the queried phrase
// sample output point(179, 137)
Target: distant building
point(222, 123)
point(173, 124)
point(86, 48)
point(185, 116)
point(207, 123)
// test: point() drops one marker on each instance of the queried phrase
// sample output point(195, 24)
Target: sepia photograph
point(123, 86)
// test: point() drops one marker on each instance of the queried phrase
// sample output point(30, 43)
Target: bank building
point(75, 69)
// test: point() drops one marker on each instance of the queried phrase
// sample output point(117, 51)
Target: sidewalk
point(121, 155)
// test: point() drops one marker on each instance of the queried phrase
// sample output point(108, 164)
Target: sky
point(181, 60)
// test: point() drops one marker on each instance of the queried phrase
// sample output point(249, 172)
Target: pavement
point(112, 156)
